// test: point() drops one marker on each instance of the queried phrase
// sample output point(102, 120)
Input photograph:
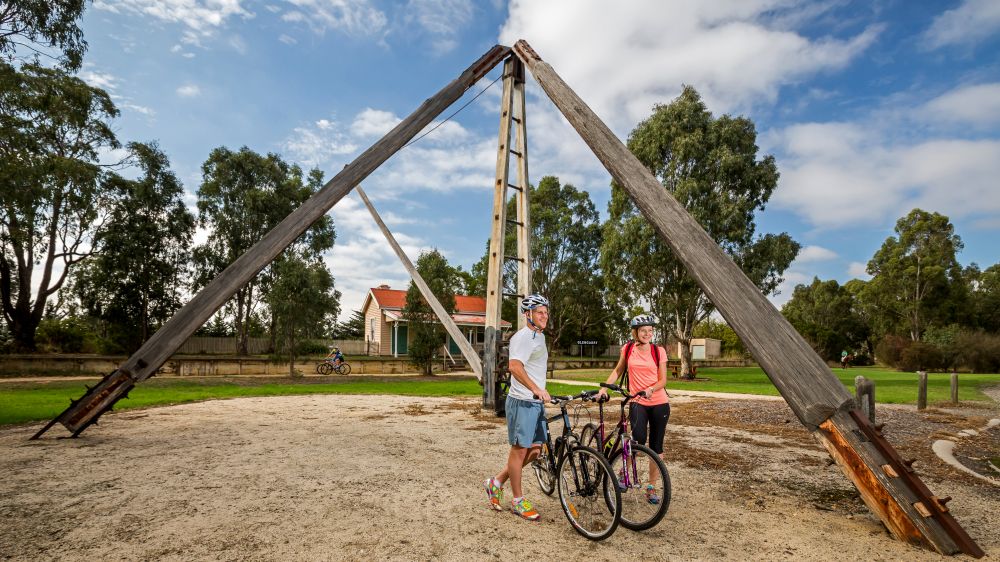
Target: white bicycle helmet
point(643, 320)
point(532, 302)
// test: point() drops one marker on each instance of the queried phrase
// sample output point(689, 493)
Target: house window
point(372, 324)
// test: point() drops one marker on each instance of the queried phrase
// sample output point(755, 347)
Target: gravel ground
point(386, 477)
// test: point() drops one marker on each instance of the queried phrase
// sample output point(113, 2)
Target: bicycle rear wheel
point(590, 504)
point(639, 512)
point(344, 369)
point(542, 473)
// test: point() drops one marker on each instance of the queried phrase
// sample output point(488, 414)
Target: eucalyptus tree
point(825, 314)
point(32, 27)
point(54, 193)
point(711, 166)
point(135, 279)
point(565, 247)
point(303, 303)
point(243, 196)
point(425, 332)
point(914, 272)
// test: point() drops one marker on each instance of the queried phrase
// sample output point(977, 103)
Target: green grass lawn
point(22, 402)
point(891, 386)
point(32, 401)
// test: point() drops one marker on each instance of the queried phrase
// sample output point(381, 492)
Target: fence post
point(922, 390)
point(954, 387)
point(864, 396)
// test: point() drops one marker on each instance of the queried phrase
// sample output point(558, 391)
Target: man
point(525, 406)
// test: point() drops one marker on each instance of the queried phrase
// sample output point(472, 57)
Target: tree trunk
point(685, 356)
point(23, 330)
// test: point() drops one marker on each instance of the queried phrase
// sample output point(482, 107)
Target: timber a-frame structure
point(887, 483)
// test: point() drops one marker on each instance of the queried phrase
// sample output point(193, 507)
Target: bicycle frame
point(622, 438)
point(563, 443)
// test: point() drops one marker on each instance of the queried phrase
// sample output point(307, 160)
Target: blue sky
point(870, 108)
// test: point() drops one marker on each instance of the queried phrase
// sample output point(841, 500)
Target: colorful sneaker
point(524, 509)
point(494, 492)
point(651, 496)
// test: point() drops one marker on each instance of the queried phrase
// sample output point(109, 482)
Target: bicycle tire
point(546, 480)
point(582, 478)
point(344, 369)
point(319, 368)
point(325, 368)
point(637, 513)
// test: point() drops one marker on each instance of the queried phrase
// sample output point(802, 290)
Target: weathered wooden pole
point(446, 320)
point(144, 362)
point(498, 224)
point(954, 387)
point(921, 390)
point(812, 391)
point(864, 396)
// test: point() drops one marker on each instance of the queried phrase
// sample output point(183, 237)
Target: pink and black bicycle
point(642, 476)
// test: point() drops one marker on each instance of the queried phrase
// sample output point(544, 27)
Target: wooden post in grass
point(864, 396)
point(954, 387)
point(921, 390)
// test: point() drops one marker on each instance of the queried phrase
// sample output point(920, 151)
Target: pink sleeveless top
point(643, 373)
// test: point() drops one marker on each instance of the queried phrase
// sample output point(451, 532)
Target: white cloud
point(201, 17)
point(972, 21)
point(811, 254)
point(354, 17)
point(317, 144)
point(837, 175)
point(858, 270)
point(189, 91)
point(442, 20)
point(373, 123)
point(287, 40)
point(103, 80)
point(734, 53)
point(361, 258)
point(977, 105)
point(238, 44)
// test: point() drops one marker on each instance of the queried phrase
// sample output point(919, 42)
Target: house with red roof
point(387, 333)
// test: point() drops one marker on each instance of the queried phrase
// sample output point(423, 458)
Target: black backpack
point(655, 350)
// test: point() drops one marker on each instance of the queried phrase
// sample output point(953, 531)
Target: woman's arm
point(615, 373)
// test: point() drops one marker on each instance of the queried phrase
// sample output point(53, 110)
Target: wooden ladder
point(512, 145)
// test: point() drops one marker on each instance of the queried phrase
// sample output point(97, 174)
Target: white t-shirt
point(528, 347)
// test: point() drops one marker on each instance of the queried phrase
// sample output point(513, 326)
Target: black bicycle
point(581, 475)
point(641, 475)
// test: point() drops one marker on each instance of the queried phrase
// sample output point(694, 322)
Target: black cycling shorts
point(651, 421)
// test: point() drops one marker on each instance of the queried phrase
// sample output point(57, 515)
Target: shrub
point(921, 356)
point(65, 335)
point(306, 348)
point(889, 351)
point(978, 352)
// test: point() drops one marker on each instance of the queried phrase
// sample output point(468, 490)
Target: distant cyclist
point(335, 357)
point(646, 364)
point(525, 414)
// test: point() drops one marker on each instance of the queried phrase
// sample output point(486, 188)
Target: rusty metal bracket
point(928, 505)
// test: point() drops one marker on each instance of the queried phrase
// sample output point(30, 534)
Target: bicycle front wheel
point(642, 507)
point(542, 474)
point(325, 368)
point(590, 504)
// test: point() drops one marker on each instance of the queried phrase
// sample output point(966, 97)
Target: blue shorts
point(525, 422)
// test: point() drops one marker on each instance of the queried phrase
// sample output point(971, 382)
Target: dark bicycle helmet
point(643, 320)
point(532, 302)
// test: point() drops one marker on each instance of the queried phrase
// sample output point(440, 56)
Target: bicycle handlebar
point(585, 395)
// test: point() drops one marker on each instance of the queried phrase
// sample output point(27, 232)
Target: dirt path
point(383, 477)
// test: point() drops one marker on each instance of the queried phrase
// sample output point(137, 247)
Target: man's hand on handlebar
point(543, 395)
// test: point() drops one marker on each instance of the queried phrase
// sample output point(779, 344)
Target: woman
point(646, 364)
